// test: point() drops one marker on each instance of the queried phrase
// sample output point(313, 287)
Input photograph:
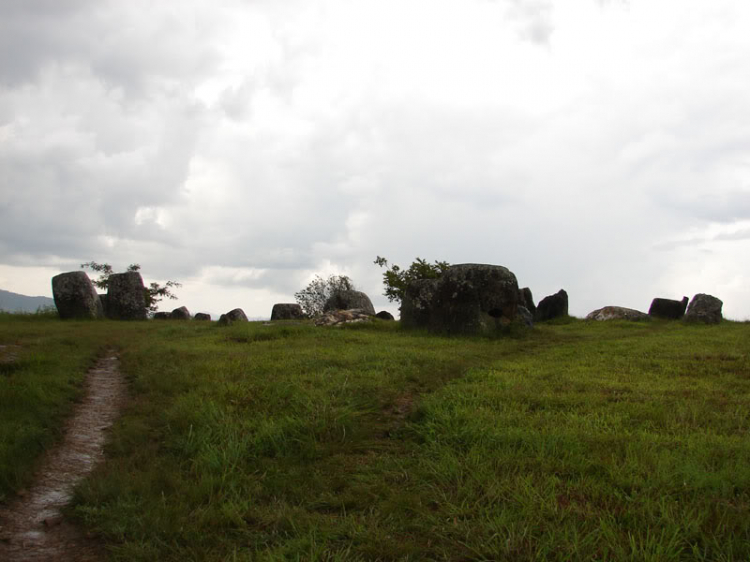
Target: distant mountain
point(13, 302)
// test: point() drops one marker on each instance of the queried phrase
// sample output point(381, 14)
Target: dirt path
point(32, 527)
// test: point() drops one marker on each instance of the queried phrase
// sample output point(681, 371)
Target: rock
point(350, 300)
point(525, 316)
point(103, 300)
point(526, 299)
point(667, 308)
point(181, 313)
point(126, 297)
point(162, 316)
point(287, 311)
point(553, 306)
point(617, 313)
point(705, 309)
point(339, 317)
point(416, 306)
point(474, 298)
point(202, 316)
point(75, 296)
point(384, 315)
point(466, 299)
point(236, 315)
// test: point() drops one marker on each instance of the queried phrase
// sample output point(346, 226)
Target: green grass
point(41, 371)
point(577, 441)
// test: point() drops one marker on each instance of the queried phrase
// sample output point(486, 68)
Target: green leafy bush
point(154, 293)
point(396, 279)
point(313, 298)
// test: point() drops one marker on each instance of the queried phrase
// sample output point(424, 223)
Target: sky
point(600, 146)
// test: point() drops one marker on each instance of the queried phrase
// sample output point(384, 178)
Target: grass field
point(577, 441)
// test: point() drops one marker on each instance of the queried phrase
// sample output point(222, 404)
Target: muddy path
point(32, 528)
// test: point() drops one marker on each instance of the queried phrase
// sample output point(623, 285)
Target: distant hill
point(13, 302)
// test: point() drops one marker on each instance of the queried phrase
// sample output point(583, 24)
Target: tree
point(396, 279)
point(313, 298)
point(154, 293)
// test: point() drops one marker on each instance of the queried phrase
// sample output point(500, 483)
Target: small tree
point(153, 294)
point(396, 279)
point(313, 298)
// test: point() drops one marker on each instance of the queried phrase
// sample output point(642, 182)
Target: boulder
point(384, 315)
point(349, 300)
point(235, 315)
point(524, 315)
point(705, 309)
point(287, 311)
point(162, 316)
point(103, 300)
point(416, 305)
point(126, 297)
point(339, 317)
point(75, 296)
point(617, 313)
point(553, 306)
point(526, 299)
point(181, 313)
point(467, 298)
point(474, 298)
point(668, 308)
point(202, 316)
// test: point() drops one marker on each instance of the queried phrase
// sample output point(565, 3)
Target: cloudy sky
point(601, 146)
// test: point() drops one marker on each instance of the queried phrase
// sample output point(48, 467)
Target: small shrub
point(313, 298)
point(396, 280)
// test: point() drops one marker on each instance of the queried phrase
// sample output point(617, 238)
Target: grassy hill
point(577, 441)
point(13, 302)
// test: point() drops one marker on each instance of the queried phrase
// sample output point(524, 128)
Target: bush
point(396, 279)
point(154, 293)
point(313, 298)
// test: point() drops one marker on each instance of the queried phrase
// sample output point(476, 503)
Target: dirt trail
point(32, 527)
point(8, 354)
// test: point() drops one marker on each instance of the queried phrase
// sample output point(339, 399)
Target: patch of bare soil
point(8, 354)
point(32, 528)
point(401, 407)
point(394, 415)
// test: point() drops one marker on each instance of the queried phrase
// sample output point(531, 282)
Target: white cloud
point(242, 149)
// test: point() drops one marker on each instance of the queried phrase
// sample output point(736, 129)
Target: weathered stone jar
point(126, 297)
point(467, 298)
point(350, 300)
point(667, 308)
point(553, 306)
point(287, 311)
point(705, 309)
point(75, 296)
